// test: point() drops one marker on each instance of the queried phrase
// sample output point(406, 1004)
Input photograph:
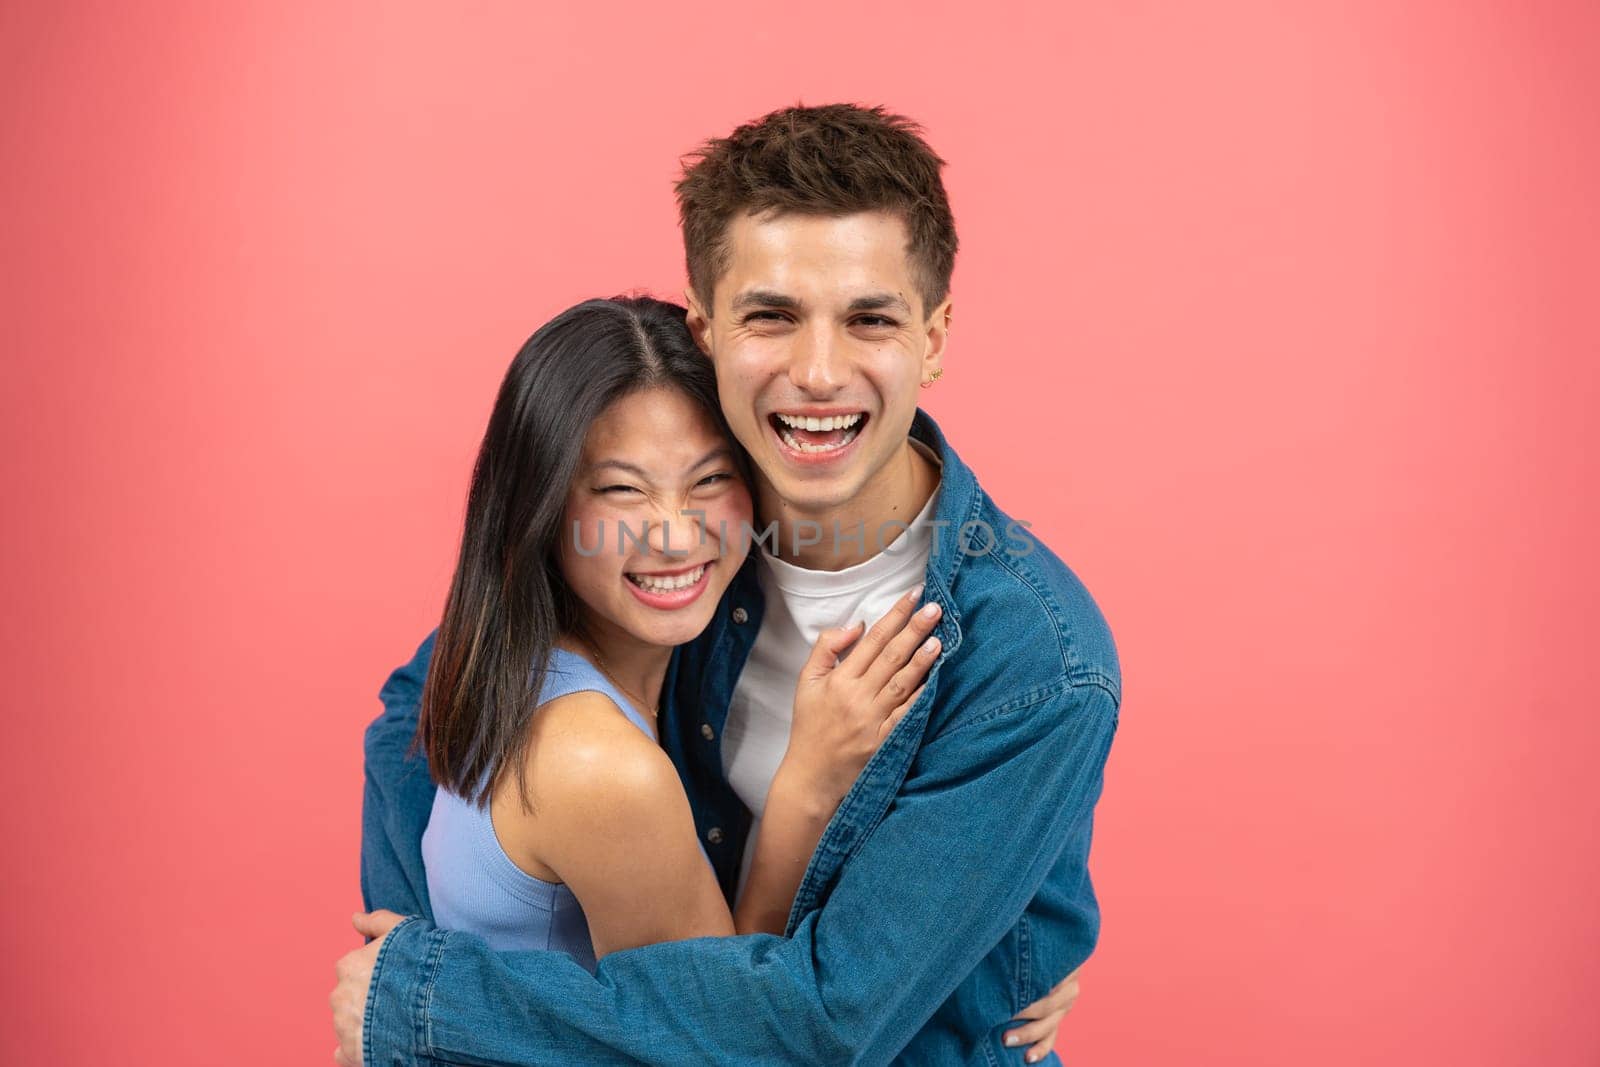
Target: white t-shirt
point(799, 605)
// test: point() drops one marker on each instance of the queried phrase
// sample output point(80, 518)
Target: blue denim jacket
point(950, 890)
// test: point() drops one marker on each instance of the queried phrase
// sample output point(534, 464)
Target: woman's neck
point(636, 667)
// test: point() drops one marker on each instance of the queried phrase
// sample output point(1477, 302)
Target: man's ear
point(699, 322)
point(938, 337)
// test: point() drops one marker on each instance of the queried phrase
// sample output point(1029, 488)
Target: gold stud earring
point(933, 377)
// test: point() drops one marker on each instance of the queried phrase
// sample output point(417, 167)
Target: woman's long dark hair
point(508, 602)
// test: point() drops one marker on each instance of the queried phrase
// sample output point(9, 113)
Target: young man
point(951, 887)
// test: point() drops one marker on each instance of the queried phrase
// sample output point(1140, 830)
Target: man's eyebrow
point(719, 452)
point(766, 298)
point(880, 302)
point(771, 298)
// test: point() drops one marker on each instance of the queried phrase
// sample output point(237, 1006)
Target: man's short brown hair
point(836, 159)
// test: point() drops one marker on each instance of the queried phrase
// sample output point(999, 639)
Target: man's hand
point(354, 975)
point(1046, 1014)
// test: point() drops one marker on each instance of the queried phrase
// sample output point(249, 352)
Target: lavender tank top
point(472, 883)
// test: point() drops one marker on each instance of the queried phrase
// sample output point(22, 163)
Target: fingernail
point(1032, 1057)
point(930, 609)
point(912, 596)
point(1012, 1040)
point(930, 646)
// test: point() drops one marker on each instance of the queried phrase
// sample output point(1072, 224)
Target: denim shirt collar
point(959, 502)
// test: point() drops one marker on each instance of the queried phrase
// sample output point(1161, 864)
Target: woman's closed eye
point(707, 482)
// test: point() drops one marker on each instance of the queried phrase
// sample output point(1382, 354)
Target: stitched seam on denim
point(950, 620)
point(425, 993)
point(372, 995)
point(1074, 671)
point(419, 1026)
point(1024, 991)
point(1028, 699)
point(1110, 685)
point(1047, 604)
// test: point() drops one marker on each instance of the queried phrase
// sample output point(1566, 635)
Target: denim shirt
point(950, 890)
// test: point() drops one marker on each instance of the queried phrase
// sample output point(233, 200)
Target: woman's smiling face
point(654, 525)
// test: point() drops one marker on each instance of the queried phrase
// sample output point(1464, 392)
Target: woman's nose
point(676, 533)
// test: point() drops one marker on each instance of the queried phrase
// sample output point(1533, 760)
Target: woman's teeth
point(651, 583)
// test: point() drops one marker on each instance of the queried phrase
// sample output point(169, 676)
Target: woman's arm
point(795, 819)
point(612, 820)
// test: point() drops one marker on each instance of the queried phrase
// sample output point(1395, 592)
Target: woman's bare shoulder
point(582, 748)
point(617, 829)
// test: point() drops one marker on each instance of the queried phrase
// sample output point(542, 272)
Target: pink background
point(1277, 320)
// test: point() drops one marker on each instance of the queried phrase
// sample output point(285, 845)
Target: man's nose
point(818, 366)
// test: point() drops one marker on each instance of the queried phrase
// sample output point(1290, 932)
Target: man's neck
point(858, 529)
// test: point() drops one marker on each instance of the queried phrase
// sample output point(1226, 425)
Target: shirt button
point(714, 835)
point(706, 731)
point(740, 615)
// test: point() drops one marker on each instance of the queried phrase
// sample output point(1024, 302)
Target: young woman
point(608, 513)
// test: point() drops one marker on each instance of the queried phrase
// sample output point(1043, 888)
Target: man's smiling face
point(820, 342)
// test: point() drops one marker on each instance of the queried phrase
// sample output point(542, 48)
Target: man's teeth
point(651, 583)
point(850, 424)
point(832, 422)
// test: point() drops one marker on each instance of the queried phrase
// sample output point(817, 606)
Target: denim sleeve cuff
point(394, 1032)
